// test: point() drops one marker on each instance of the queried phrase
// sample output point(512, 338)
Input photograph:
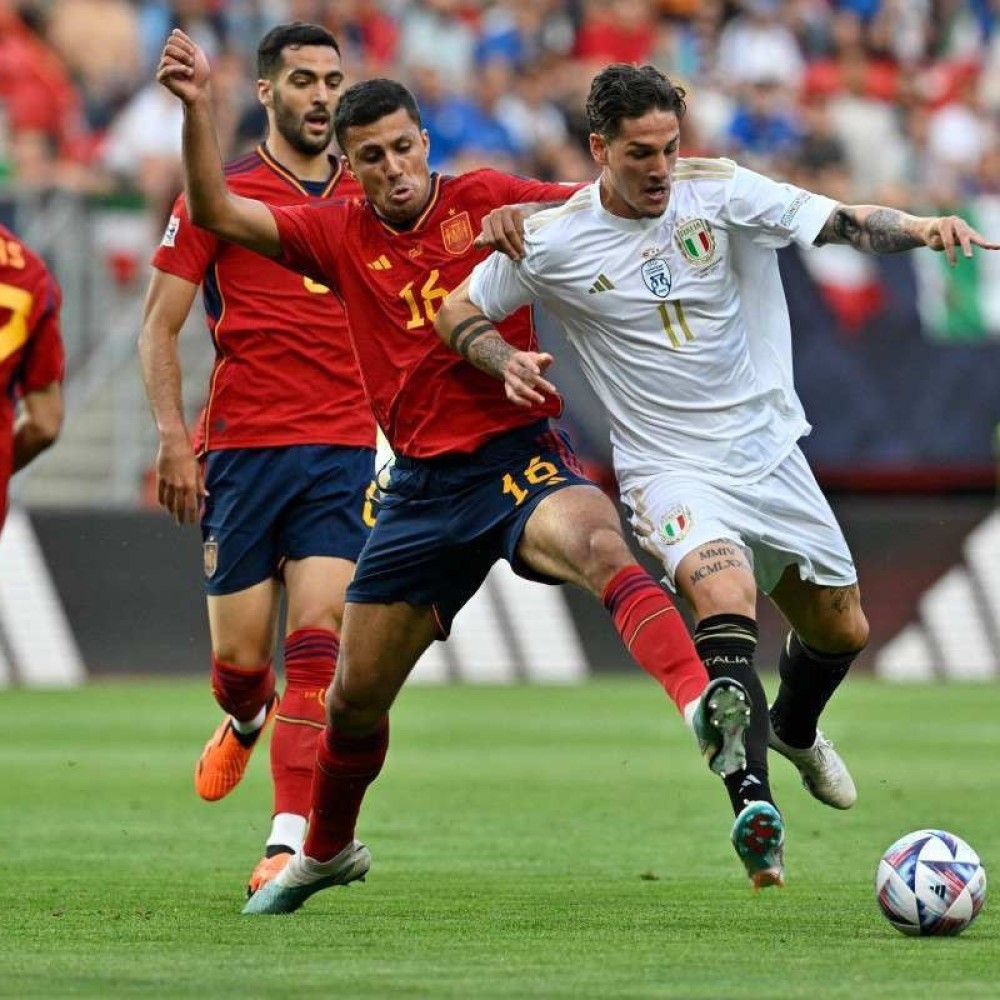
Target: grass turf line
point(527, 842)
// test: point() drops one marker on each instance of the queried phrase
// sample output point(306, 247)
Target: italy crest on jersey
point(456, 234)
point(696, 242)
point(656, 275)
point(676, 524)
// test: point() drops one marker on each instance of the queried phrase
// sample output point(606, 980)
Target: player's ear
point(265, 92)
point(426, 140)
point(599, 148)
point(346, 163)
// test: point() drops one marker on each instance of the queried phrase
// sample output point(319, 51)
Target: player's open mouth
point(318, 123)
point(400, 193)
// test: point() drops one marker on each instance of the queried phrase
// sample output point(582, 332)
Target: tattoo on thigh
point(840, 599)
point(710, 569)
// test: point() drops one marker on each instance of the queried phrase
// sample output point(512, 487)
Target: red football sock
point(655, 634)
point(345, 767)
point(242, 693)
point(310, 659)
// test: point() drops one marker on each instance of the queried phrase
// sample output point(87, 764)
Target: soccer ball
point(930, 883)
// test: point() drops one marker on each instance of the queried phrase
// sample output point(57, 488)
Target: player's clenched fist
point(183, 68)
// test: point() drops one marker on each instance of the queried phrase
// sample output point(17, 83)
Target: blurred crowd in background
point(868, 100)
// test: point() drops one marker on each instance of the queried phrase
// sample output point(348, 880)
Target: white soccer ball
point(930, 882)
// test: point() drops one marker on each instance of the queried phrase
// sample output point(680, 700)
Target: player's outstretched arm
point(877, 229)
point(180, 485)
point(184, 71)
point(464, 328)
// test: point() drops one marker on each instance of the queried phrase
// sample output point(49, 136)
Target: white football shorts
point(779, 521)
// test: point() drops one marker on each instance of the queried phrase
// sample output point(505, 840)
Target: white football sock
point(288, 829)
point(252, 725)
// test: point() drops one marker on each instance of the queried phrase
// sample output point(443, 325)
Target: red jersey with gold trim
point(31, 348)
point(428, 399)
point(284, 370)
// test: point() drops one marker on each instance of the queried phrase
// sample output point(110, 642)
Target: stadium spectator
point(107, 73)
point(762, 131)
point(40, 107)
point(691, 356)
point(435, 32)
point(757, 42)
point(284, 452)
point(32, 363)
point(442, 522)
point(615, 31)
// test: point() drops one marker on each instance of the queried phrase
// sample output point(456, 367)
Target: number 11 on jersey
point(673, 333)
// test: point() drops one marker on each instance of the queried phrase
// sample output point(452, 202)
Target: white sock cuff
point(288, 829)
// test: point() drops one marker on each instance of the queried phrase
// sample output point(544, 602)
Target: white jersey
point(680, 321)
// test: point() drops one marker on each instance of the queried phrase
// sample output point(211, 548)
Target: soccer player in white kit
point(664, 276)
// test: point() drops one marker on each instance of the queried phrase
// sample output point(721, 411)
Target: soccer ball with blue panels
point(930, 883)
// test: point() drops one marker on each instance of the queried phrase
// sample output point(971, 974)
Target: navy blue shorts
point(443, 522)
point(266, 505)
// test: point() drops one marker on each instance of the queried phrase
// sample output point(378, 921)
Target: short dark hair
point(294, 34)
point(370, 100)
point(622, 91)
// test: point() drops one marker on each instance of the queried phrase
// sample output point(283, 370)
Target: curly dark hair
point(623, 91)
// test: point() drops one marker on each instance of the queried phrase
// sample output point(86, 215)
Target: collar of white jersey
point(618, 221)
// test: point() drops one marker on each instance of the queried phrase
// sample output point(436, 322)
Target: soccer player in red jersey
point(283, 454)
point(476, 479)
point(32, 362)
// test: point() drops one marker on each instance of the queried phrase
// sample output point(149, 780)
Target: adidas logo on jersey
point(381, 263)
point(603, 284)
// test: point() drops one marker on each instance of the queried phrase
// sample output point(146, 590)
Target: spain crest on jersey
point(696, 242)
point(456, 234)
point(210, 557)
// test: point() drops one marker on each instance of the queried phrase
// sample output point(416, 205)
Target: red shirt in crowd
point(428, 399)
point(284, 370)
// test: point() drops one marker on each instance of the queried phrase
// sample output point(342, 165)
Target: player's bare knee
point(241, 653)
point(353, 715)
point(847, 634)
point(315, 615)
point(603, 553)
point(726, 594)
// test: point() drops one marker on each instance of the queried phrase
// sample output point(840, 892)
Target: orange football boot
point(224, 760)
point(266, 869)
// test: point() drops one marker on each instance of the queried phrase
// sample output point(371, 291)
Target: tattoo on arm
point(468, 329)
point(479, 342)
point(490, 353)
point(871, 229)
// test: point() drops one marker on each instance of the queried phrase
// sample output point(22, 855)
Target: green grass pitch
point(528, 843)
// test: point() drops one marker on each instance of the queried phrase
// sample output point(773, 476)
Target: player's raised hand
point(946, 232)
point(503, 230)
point(183, 68)
point(180, 485)
point(524, 378)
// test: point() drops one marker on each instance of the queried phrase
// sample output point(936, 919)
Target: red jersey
point(31, 349)
point(284, 370)
point(427, 399)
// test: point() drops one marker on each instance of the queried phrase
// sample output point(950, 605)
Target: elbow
point(442, 322)
point(47, 422)
point(48, 428)
point(448, 315)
